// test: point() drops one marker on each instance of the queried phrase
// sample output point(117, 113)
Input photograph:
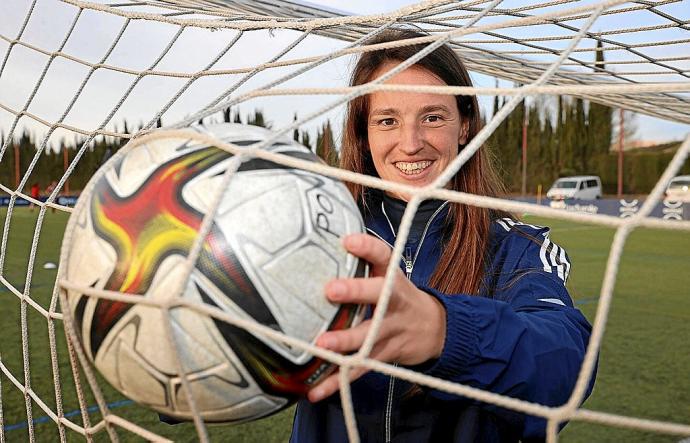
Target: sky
point(143, 41)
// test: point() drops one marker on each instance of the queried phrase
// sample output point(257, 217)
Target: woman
point(480, 299)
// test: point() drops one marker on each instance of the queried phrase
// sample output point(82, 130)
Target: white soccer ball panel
point(140, 331)
point(292, 295)
point(333, 215)
point(214, 392)
point(168, 283)
point(95, 259)
point(255, 203)
point(136, 378)
point(139, 163)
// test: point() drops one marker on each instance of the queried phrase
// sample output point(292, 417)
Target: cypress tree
point(325, 146)
point(258, 119)
point(306, 141)
point(295, 132)
point(580, 141)
point(535, 158)
point(548, 142)
point(558, 138)
point(599, 117)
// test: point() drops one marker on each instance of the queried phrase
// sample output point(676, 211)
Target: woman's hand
point(413, 329)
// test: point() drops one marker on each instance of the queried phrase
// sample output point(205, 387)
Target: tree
point(537, 154)
point(557, 137)
point(506, 147)
point(295, 132)
point(599, 117)
point(258, 119)
point(580, 141)
point(306, 140)
point(325, 146)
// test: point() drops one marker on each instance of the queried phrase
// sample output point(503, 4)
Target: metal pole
point(525, 122)
point(621, 139)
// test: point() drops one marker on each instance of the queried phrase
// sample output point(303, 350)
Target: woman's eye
point(386, 122)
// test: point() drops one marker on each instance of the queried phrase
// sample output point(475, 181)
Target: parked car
point(580, 187)
point(678, 189)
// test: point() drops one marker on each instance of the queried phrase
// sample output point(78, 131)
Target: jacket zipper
point(409, 261)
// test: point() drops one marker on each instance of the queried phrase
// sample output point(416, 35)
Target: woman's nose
point(411, 139)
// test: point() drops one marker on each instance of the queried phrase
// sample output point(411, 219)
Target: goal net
point(79, 79)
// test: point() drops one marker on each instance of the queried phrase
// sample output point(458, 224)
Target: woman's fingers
point(371, 249)
point(354, 290)
point(382, 351)
point(345, 340)
point(331, 384)
point(413, 329)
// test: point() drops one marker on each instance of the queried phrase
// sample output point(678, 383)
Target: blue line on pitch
point(45, 418)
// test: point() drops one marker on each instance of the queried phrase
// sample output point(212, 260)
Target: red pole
point(525, 122)
point(621, 138)
point(65, 163)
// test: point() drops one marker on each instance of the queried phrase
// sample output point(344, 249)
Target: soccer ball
point(274, 243)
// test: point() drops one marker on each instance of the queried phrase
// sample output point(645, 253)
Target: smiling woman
point(393, 135)
point(413, 137)
point(482, 299)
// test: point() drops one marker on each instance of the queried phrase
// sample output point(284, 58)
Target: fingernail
point(326, 342)
point(353, 241)
point(336, 290)
point(316, 394)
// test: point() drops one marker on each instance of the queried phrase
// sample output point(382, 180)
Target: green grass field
point(643, 368)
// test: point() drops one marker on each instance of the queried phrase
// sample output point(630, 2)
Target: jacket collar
point(378, 222)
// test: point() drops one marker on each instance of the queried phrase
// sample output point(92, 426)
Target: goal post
point(79, 79)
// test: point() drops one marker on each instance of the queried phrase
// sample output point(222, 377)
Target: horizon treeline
point(565, 136)
point(51, 164)
point(569, 136)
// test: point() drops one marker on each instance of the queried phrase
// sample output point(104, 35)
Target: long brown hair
point(466, 232)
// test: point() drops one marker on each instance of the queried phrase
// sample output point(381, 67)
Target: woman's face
point(413, 136)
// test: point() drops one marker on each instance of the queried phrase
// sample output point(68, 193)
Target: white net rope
point(192, 59)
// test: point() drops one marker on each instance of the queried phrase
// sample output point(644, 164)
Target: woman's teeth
point(412, 168)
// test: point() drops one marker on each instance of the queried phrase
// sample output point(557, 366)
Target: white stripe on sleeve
point(542, 254)
point(566, 264)
point(503, 225)
point(555, 301)
point(554, 260)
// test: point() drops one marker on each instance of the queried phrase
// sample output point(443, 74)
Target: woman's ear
point(464, 132)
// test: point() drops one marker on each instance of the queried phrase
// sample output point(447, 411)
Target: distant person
point(35, 194)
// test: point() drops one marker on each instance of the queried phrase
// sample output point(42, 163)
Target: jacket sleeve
point(527, 341)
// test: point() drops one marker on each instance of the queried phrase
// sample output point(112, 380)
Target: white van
point(580, 187)
point(678, 189)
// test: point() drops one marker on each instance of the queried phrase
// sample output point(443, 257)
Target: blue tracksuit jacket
point(523, 338)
